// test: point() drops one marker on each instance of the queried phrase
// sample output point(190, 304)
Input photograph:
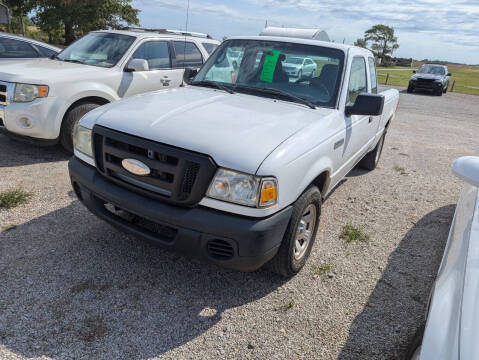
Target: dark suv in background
point(430, 77)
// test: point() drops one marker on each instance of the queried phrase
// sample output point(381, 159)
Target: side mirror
point(449, 74)
point(137, 65)
point(467, 169)
point(414, 71)
point(189, 74)
point(366, 104)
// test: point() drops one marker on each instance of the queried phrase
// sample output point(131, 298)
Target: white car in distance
point(299, 67)
point(42, 100)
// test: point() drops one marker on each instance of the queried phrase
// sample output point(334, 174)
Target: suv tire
point(300, 234)
point(71, 119)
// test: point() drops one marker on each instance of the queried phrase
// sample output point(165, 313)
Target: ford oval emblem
point(136, 167)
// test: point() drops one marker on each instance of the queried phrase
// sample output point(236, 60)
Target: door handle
point(370, 119)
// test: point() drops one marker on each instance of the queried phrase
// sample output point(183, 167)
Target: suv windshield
point(98, 49)
point(261, 66)
point(431, 69)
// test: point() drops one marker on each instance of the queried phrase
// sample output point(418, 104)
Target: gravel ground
point(73, 287)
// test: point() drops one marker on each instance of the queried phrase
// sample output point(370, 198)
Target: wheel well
point(322, 182)
point(92, 99)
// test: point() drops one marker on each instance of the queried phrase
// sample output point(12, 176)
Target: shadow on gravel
point(420, 93)
point(396, 307)
point(73, 287)
point(16, 153)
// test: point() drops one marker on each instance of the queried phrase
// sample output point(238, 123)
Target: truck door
point(373, 88)
point(160, 73)
point(359, 128)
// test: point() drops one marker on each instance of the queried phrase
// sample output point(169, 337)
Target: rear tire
point(299, 237)
point(71, 119)
point(371, 159)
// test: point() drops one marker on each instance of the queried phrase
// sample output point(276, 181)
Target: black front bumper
point(229, 240)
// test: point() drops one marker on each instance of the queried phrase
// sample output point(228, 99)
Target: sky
point(426, 29)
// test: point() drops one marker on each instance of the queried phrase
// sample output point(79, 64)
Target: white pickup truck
point(235, 170)
point(41, 100)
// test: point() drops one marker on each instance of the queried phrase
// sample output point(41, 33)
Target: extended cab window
point(372, 72)
point(357, 79)
point(156, 53)
point(10, 48)
point(187, 54)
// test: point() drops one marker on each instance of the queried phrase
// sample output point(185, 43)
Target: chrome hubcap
point(304, 231)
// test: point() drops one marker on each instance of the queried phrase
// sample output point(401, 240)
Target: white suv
point(42, 100)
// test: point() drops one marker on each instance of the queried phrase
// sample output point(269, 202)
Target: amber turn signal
point(269, 193)
point(42, 91)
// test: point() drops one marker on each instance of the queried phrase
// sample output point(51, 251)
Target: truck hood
point(45, 71)
point(237, 130)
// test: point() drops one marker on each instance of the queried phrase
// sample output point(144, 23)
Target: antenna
point(184, 47)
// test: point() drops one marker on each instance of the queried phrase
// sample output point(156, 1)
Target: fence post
point(387, 78)
point(452, 87)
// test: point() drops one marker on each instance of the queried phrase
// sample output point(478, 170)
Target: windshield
point(260, 66)
point(98, 49)
point(431, 69)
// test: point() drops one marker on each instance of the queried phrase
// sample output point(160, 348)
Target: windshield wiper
point(214, 84)
point(73, 61)
point(281, 93)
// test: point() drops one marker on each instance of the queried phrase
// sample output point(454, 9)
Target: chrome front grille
point(6, 89)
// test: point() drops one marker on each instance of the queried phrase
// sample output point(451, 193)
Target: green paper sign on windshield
point(269, 65)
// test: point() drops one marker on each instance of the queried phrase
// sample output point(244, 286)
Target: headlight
point(243, 189)
point(82, 140)
point(438, 81)
point(28, 92)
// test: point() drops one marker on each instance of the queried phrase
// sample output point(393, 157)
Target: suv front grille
point(177, 176)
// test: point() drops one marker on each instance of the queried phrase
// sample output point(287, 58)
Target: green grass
point(12, 198)
point(466, 76)
point(352, 233)
point(323, 269)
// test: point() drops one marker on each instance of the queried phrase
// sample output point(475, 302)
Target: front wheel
point(71, 119)
point(410, 89)
point(299, 237)
point(300, 74)
point(371, 159)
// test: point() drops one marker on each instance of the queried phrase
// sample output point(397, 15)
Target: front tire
point(410, 89)
point(300, 74)
point(71, 119)
point(299, 237)
point(371, 160)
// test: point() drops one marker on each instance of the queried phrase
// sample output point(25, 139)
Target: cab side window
point(187, 54)
point(372, 72)
point(357, 79)
point(10, 48)
point(156, 53)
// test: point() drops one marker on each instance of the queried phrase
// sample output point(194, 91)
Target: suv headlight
point(82, 140)
point(29, 92)
point(243, 189)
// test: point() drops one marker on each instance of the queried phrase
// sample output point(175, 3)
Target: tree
point(19, 10)
point(361, 43)
point(77, 17)
point(383, 41)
